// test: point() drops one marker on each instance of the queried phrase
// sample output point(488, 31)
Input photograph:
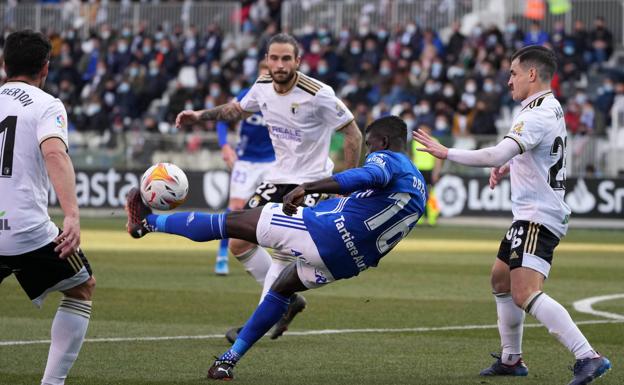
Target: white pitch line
point(586, 306)
point(303, 333)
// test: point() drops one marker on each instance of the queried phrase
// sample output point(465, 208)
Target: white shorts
point(289, 235)
point(246, 176)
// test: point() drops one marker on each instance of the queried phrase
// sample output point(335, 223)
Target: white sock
point(559, 323)
point(68, 331)
point(277, 266)
point(257, 262)
point(510, 328)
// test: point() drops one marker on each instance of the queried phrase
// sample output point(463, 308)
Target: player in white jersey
point(301, 114)
point(33, 153)
point(533, 153)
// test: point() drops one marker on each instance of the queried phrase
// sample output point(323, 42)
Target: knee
point(500, 284)
point(520, 296)
point(287, 283)
point(84, 291)
point(238, 247)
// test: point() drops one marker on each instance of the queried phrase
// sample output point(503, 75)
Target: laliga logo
point(451, 194)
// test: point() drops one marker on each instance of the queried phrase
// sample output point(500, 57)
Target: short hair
point(391, 126)
point(542, 58)
point(284, 38)
point(25, 53)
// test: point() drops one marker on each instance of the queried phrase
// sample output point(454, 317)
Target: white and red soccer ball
point(164, 186)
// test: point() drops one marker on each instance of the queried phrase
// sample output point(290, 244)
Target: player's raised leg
point(196, 226)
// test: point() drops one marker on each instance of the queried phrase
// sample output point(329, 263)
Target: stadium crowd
point(124, 80)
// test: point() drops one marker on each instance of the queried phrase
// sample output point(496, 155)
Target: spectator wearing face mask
point(324, 74)
point(581, 43)
point(424, 113)
point(441, 126)
point(462, 121)
point(512, 35)
point(431, 91)
point(490, 94)
point(469, 96)
point(604, 100)
point(456, 42)
point(352, 58)
point(536, 35)
point(313, 56)
point(449, 95)
point(572, 117)
point(484, 122)
point(601, 41)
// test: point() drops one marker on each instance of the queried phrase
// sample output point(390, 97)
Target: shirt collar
point(536, 95)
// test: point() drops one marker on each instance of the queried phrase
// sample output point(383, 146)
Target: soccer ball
point(164, 186)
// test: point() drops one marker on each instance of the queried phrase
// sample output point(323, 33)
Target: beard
point(287, 77)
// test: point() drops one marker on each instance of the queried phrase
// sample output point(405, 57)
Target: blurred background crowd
point(129, 79)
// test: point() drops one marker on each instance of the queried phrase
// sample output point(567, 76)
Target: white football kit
point(538, 173)
point(301, 122)
point(28, 116)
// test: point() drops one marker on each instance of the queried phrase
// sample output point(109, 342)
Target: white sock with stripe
point(510, 328)
point(68, 331)
point(257, 262)
point(559, 323)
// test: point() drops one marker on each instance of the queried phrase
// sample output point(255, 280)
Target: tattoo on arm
point(230, 112)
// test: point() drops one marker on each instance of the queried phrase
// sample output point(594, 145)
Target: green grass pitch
point(425, 294)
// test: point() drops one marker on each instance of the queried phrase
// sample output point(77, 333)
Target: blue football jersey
point(353, 233)
point(255, 143)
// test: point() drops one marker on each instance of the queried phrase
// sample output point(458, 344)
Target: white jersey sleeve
point(250, 102)
point(528, 132)
point(331, 110)
point(53, 123)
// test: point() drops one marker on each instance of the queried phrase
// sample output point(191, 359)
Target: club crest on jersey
point(294, 108)
point(517, 129)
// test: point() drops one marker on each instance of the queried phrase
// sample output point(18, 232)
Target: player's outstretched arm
point(352, 145)
point(485, 157)
point(294, 199)
point(63, 178)
point(229, 112)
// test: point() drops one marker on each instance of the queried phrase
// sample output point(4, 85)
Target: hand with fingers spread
point(431, 146)
point(293, 200)
point(68, 240)
point(186, 117)
point(497, 174)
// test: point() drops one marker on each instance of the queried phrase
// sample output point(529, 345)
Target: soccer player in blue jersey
point(249, 164)
point(337, 239)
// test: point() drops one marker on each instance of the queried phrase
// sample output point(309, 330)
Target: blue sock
point(223, 248)
point(266, 315)
point(193, 225)
point(223, 244)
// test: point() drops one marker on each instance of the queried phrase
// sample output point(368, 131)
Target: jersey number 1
point(7, 127)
